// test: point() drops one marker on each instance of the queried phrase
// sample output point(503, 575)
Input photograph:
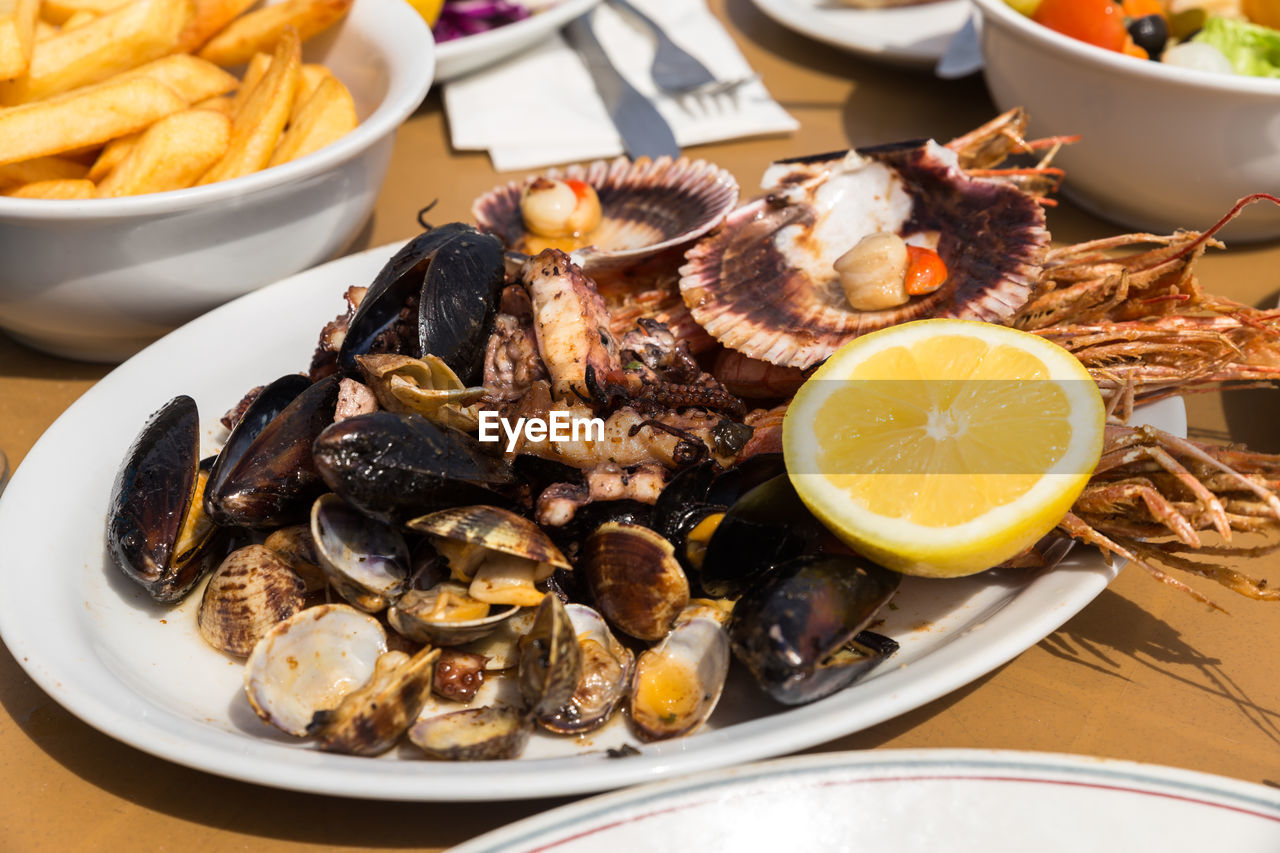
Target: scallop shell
point(648, 206)
point(765, 285)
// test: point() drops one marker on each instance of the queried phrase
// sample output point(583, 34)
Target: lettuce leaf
point(1252, 49)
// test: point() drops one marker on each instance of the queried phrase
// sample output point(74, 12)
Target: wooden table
point(1143, 673)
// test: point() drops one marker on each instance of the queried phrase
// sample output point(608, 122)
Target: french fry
point(57, 189)
point(88, 116)
point(170, 155)
point(222, 104)
point(191, 77)
point(328, 115)
point(111, 155)
point(260, 30)
point(256, 128)
point(40, 169)
point(45, 30)
point(309, 77)
point(79, 19)
point(58, 11)
point(122, 39)
point(17, 35)
point(210, 16)
point(253, 73)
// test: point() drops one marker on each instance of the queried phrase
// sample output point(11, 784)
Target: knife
point(644, 132)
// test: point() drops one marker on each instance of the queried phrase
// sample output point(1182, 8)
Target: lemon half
point(944, 447)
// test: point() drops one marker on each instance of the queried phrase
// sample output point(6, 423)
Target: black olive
point(1150, 33)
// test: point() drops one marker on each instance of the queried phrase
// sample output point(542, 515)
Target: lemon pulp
point(944, 447)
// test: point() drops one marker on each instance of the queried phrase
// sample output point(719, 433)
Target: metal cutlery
point(675, 71)
point(644, 132)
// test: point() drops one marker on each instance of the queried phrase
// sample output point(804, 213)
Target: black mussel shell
point(396, 467)
point(794, 630)
point(450, 278)
point(766, 526)
point(270, 402)
point(152, 495)
point(737, 481)
point(273, 481)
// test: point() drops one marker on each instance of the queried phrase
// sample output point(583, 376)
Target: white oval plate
point(96, 643)
point(914, 36)
point(471, 53)
point(915, 801)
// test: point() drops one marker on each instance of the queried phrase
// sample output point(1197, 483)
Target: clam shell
point(605, 677)
point(635, 579)
point(309, 662)
point(366, 560)
point(679, 681)
point(370, 720)
point(473, 734)
point(249, 592)
point(648, 206)
point(550, 659)
point(407, 618)
point(765, 284)
point(492, 528)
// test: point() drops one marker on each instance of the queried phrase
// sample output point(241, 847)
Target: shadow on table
point(22, 361)
point(198, 797)
point(1114, 627)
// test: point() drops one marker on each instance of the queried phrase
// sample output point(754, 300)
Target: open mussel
point(766, 526)
point(397, 466)
point(794, 630)
point(157, 531)
point(437, 295)
point(271, 480)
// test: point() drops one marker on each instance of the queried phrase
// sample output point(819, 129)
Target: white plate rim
point(869, 37)
point(463, 55)
point(575, 819)
point(69, 676)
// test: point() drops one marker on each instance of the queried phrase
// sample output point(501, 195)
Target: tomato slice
point(926, 271)
point(1098, 22)
point(580, 188)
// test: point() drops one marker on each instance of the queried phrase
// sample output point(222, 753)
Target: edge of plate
point(188, 743)
point(548, 828)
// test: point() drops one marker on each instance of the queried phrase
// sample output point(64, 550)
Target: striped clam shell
point(648, 206)
point(764, 284)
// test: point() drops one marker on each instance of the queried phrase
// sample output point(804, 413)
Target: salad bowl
point(1161, 147)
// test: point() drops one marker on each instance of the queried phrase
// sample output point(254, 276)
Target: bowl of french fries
point(161, 157)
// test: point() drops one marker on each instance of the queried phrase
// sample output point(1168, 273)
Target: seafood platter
point(341, 578)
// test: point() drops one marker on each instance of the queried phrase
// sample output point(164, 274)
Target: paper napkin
point(540, 108)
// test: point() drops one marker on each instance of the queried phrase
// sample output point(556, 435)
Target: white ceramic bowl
point(1162, 147)
point(100, 279)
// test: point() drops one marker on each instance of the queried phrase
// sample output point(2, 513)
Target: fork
point(675, 71)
